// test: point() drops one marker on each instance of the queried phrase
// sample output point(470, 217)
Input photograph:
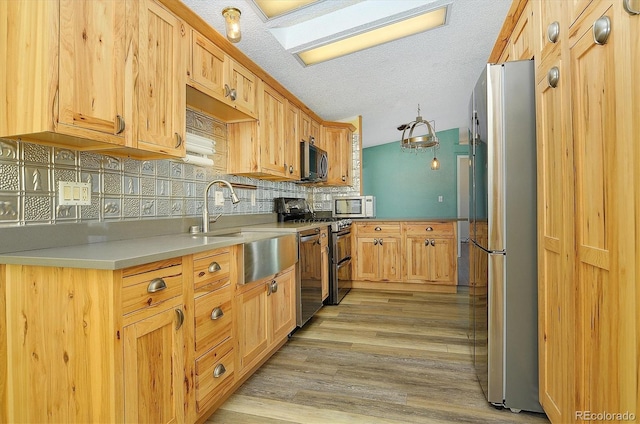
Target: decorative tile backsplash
point(129, 189)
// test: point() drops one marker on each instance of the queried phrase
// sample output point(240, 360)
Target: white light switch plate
point(219, 198)
point(440, 199)
point(253, 198)
point(74, 193)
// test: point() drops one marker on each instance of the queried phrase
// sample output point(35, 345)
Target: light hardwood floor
point(375, 358)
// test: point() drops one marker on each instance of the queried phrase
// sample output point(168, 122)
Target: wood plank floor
point(375, 358)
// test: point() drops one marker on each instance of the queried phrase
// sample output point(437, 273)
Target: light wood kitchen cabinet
point(520, 43)
point(378, 252)
point(310, 128)
point(587, 173)
point(214, 73)
point(266, 314)
point(324, 261)
point(292, 142)
point(338, 142)
point(101, 75)
point(265, 149)
point(429, 251)
point(66, 85)
point(160, 96)
point(405, 255)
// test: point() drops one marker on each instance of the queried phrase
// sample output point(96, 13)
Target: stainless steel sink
point(268, 256)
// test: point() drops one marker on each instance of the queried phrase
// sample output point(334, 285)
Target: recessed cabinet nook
point(587, 55)
point(116, 76)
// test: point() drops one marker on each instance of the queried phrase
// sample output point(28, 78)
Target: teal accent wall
point(404, 184)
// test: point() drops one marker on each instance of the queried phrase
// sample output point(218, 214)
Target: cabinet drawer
point(150, 288)
point(429, 229)
point(379, 228)
point(210, 267)
point(213, 319)
point(215, 373)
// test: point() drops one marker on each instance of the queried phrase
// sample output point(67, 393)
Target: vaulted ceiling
point(436, 69)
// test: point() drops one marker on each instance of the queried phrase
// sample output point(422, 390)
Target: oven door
point(340, 273)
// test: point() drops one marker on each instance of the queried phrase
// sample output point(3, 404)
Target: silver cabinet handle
point(230, 92)
point(156, 285)
point(290, 169)
point(380, 242)
point(378, 229)
point(601, 30)
point(375, 242)
point(178, 140)
point(429, 228)
point(214, 267)
point(344, 178)
point(180, 316)
point(274, 286)
point(219, 371)
point(433, 242)
point(120, 124)
point(217, 313)
point(553, 31)
point(632, 7)
point(553, 77)
point(426, 242)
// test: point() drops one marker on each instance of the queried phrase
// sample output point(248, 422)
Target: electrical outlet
point(253, 198)
point(219, 198)
point(440, 199)
point(74, 193)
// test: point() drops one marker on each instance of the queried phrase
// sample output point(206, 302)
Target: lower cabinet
point(405, 255)
point(164, 342)
point(153, 368)
point(265, 315)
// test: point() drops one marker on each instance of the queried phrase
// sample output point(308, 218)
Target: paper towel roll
point(202, 150)
point(198, 160)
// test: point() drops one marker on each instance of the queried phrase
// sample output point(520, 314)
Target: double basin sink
point(263, 254)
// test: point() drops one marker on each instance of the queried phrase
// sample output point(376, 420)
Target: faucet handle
point(215, 218)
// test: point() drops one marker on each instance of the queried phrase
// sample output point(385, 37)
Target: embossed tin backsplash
point(129, 189)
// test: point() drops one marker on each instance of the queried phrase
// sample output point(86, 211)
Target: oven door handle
point(345, 261)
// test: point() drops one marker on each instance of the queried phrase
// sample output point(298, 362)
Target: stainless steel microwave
point(354, 207)
point(314, 163)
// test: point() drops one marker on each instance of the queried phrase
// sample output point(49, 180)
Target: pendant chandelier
point(418, 135)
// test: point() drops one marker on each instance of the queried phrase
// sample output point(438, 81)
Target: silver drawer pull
point(601, 30)
point(217, 313)
point(219, 371)
point(433, 242)
point(214, 267)
point(553, 76)
point(378, 229)
point(375, 242)
point(156, 285)
point(180, 317)
point(274, 286)
point(553, 32)
point(426, 242)
point(429, 228)
point(632, 7)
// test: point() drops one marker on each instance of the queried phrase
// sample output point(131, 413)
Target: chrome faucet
point(205, 209)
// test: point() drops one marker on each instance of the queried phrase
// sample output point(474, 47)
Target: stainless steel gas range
point(298, 211)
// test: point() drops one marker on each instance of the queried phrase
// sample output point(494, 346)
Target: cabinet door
point(417, 261)
point(253, 336)
point(440, 256)
point(337, 142)
point(245, 85)
point(160, 90)
point(521, 40)
point(556, 283)
point(292, 142)
point(208, 65)
point(282, 307)
point(389, 259)
point(91, 65)
point(154, 369)
point(272, 132)
point(366, 258)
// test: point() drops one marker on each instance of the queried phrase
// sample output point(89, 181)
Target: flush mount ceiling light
point(272, 8)
point(232, 23)
point(418, 135)
point(375, 37)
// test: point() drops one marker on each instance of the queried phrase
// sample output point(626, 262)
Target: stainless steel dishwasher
point(309, 290)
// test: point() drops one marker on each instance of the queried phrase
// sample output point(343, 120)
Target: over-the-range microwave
point(354, 207)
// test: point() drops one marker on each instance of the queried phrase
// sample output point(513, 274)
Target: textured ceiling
point(384, 84)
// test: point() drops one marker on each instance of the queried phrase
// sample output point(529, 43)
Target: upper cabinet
point(214, 73)
point(94, 75)
point(338, 142)
point(519, 43)
point(159, 90)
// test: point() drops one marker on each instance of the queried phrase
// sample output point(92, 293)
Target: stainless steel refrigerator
point(503, 258)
